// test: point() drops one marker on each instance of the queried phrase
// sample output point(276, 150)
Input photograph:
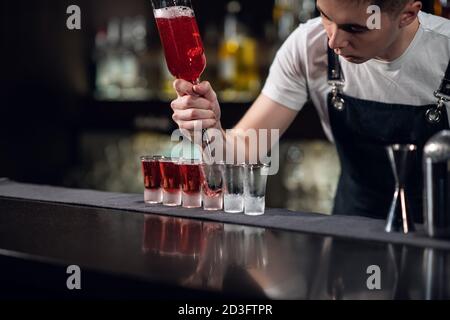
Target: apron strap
point(444, 89)
point(334, 67)
point(335, 79)
point(434, 115)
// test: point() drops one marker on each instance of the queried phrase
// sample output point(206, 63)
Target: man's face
point(345, 22)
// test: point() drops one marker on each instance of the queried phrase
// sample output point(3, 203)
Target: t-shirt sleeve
point(286, 83)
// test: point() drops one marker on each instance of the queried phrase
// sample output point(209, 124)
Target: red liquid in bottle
point(190, 178)
point(180, 37)
point(152, 174)
point(170, 176)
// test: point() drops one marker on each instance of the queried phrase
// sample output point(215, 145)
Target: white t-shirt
point(299, 71)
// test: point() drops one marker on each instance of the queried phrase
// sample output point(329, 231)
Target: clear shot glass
point(233, 176)
point(255, 189)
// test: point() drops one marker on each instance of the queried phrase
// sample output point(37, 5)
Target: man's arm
point(267, 114)
point(264, 114)
point(198, 105)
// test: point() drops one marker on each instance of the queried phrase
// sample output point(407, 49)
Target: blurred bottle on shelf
point(442, 8)
point(287, 14)
point(134, 47)
point(120, 53)
point(238, 68)
point(285, 17)
point(107, 61)
point(307, 10)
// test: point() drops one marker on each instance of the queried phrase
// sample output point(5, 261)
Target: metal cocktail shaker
point(436, 162)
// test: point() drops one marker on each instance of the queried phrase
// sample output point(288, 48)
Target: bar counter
point(160, 254)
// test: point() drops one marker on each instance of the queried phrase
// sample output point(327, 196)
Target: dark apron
point(362, 130)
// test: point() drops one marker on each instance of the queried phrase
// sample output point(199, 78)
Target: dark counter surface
point(344, 226)
point(129, 254)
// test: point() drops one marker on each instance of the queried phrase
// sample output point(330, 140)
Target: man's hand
point(196, 105)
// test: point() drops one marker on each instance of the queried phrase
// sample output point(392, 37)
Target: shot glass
point(190, 183)
point(233, 177)
point(255, 188)
point(212, 184)
point(152, 179)
point(170, 174)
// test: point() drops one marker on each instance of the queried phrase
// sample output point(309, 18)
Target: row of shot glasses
point(191, 183)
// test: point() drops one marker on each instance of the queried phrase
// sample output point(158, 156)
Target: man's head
point(347, 25)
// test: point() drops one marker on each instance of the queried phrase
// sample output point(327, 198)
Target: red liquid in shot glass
point(190, 178)
point(152, 174)
point(191, 185)
point(170, 176)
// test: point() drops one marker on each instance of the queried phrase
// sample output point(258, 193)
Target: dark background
point(47, 82)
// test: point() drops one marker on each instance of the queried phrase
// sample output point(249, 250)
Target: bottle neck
point(231, 26)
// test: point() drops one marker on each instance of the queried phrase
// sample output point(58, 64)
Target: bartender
point(372, 87)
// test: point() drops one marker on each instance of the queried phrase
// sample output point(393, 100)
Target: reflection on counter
point(172, 237)
point(228, 257)
point(210, 246)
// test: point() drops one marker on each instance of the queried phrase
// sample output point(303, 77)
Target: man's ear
point(409, 13)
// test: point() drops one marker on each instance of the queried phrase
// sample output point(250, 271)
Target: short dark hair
point(391, 6)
